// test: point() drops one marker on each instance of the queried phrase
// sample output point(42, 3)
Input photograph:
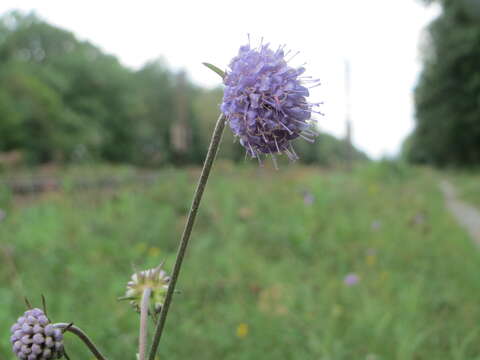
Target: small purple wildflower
point(308, 198)
point(351, 279)
point(376, 225)
point(34, 338)
point(265, 101)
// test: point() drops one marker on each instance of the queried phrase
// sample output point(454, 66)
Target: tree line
point(447, 97)
point(63, 100)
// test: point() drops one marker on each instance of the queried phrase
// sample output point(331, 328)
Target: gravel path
point(466, 215)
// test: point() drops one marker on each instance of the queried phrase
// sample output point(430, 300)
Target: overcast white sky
point(379, 38)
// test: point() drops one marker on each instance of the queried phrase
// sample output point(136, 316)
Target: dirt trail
point(466, 215)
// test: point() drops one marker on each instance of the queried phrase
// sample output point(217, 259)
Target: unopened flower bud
point(31, 337)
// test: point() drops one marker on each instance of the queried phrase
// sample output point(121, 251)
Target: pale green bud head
point(155, 279)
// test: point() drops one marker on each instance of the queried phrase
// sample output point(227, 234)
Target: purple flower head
point(33, 337)
point(265, 101)
point(351, 279)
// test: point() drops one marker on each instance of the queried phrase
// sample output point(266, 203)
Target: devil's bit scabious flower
point(156, 279)
point(35, 338)
point(265, 101)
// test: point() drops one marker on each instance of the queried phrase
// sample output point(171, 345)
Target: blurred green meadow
point(467, 182)
point(300, 263)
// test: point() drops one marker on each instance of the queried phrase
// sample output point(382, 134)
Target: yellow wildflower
point(153, 251)
point(242, 330)
point(371, 260)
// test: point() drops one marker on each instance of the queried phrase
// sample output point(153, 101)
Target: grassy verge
point(265, 275)
point(468, 184)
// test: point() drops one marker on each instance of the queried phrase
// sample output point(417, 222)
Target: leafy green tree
point(33, 116)
point(72, 91)
point(154, 86)
point(447, 97)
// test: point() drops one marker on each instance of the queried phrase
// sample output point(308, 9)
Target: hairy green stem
point(83, 336)
point(142, 339)
point(197, 197)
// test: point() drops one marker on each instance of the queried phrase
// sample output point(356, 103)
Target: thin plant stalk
point(142, 339)
point(197, 197)
point(83, 336)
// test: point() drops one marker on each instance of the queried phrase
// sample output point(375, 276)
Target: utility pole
point(348, 119)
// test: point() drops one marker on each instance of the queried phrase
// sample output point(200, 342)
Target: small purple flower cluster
point(34, 338)
point(265, 101)
point(351, 279)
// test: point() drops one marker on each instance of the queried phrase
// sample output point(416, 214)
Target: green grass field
point(265, 274)
point(468, 184)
